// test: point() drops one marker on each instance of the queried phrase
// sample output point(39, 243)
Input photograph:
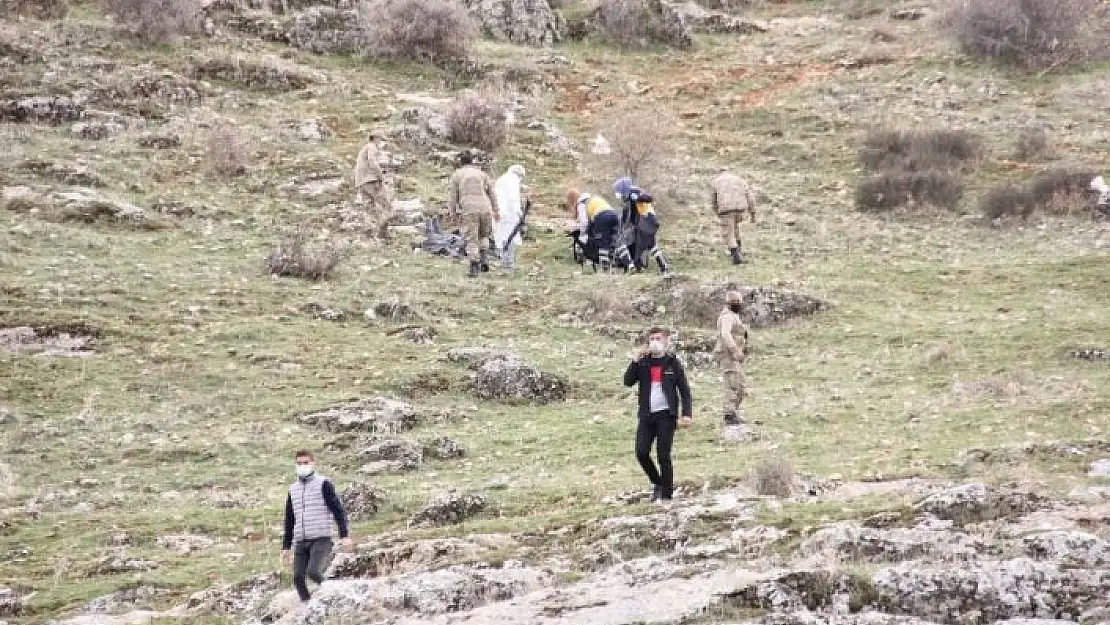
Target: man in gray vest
point(310, 509)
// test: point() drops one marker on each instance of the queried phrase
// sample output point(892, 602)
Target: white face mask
point(657, 348)
point(305, 470)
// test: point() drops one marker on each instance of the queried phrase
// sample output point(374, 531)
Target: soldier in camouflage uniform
point(472, 197)
point(372, 192)
point(732, 197)
point(732, 339)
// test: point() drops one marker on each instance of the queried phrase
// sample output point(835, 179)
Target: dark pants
point(310, 558)
point(658, 427)
point(605, 230)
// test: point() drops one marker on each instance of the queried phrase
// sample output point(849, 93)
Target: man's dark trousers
point(310, 558)
point(658, 427)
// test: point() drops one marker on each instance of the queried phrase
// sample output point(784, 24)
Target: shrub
point(157, 20)
point(292, 258)
point(1029, 34)
point(1007, 200)
point(774, 477)
point(226, 152)
point(914, 150)
point(426, 31)
point(478, 120)
point(1061, 191)
point(1031, 143)
point(891, 189)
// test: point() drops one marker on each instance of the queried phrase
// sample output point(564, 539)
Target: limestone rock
point(362, 501)
point(379, 415)
point(415, 555)
point(443, 448)
point(716, 22)
point(449, 508)
point(184, 544)
point(327, 30)
point(989, 591)
point(397, 310)
point(120, 563)
point(89, 206)
point(239, 598)
point(975, 503)
point(1100, 468)
point(124, 600)
point(44, 109)
point(530, 22)
point(511, 380)
point(474, 357)
point(390, 456)
point(1069, 549)
point(853, 542)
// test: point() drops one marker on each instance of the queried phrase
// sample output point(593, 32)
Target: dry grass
point(478, 120)
point(916, 150)
point(425, 31)
point(1029, 34)
point(160, 21)
point(774, 477)
point(293, 258)
point(225, 151)
point(1032, 143)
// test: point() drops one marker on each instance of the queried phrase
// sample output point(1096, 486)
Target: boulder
point(716, 22)
point(96, 131)
point(529, 22)
point(449, 508)
point(362, 501)
point(655, 21)
point(379, 415)
point(397, 310)
point(1069, 549)
point(423, 335)
point(88, 206)
point(987, 591)
point(328, 30)
point(239, 598)
point(513, 381)
point(44, 109)
point(390, 456)
point(853, 542)
point(443, 448)
point(975, 503)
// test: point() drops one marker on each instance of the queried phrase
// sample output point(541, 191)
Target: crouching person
point(310, 509)
point(641, 224)
point(664, 405)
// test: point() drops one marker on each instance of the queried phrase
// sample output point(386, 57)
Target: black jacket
point(674, 383)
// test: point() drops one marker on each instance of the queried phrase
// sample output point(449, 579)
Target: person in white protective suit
point(510, 192)
point(1098, 184)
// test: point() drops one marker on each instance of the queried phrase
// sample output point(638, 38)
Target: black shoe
point(735, 253)
point(731, 419)
point(475, 267)
point(656, 493)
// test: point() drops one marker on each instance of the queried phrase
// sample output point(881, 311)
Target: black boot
point(732, 419)
point(483, 260)
point(475, 267)
point(662, 262)
point(735, 252)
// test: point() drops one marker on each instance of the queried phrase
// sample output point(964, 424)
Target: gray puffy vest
point(310, 511)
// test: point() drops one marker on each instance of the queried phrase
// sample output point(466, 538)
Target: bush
point(157, 20)
point(1058, 191)
point(1007, 200)
point(774, 477)
point(292, 258)
point(426, 31)
point(1029, 34)
point(914, 150)
point(478, 120)
point(891, 189)
point(226, 152)
point(1031, 143)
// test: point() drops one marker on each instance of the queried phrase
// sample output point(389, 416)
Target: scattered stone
point(985, 592)
point(396, 310)
point(511, 380)
point(96, 131)
point(46, 341)
point(482, 159)
point(449, 508)
point(1091, 354)
point(160, 142)
point(362, 501)
point(64, 172)
point(443, 448)
point(1100, 468)
point(124, 600)
point(119, 563)
point(529, 22)
point(475, 357)
point(11, 604)
point(48, 109)
point(313, 130)
point(184, 544)
point(734, 434)
point(239, 598)
point(763, 306)
point(324, 312)
point(390, 456)
point(270, 74)
point(423, 335)
point(853, 542)
point(975, 503)
point(378, 415)
point(908, 14)
point(418, 555)
point(1069, 549)
point(327, 30)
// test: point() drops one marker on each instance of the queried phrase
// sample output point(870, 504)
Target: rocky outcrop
point(975, 503)
point(633, 21)
point(1069, 549)
point(692, 302)
point(449, 508)
point(511, 380)
point(41, 109)
point(239, 598)
point(379, 415)
point(716, 22)
point(854, 542)
point(419, 555)
point(362, 501)
point(11, 604)
point(390, 456)
point(530, 22)
point(37, 9)
point(327, 30)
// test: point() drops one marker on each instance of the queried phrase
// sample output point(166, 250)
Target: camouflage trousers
point(379, 210)
point(734, 390)
point(730, 228)
point(477, 228)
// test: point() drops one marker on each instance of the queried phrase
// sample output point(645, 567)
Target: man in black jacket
point(663, 384)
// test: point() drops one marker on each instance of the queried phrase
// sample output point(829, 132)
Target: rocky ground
point(927, 419)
